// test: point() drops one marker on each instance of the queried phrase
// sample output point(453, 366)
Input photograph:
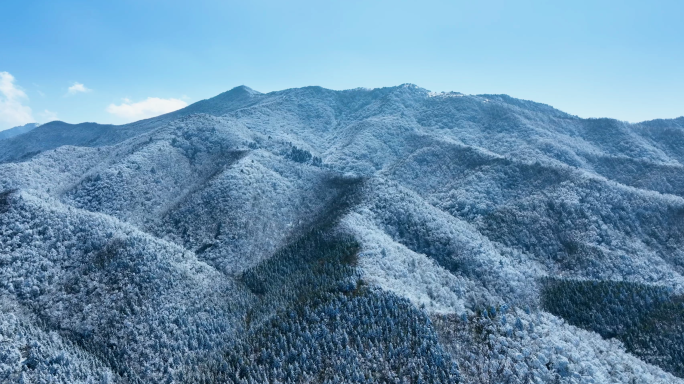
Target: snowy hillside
point(16, 131)
point(308, 235)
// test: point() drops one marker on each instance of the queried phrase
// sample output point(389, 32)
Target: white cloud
point(78, 88)
point(48, 116)
point(151, 107)
point(12, 111)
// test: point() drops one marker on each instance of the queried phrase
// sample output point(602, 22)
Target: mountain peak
point(244, 89)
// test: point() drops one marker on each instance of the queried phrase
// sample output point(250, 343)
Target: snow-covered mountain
point(16, 131)
point(310, 235)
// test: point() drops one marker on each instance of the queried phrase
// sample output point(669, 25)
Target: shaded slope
point(316, 320)
point(646, 318)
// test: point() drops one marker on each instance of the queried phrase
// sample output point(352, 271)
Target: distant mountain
point(57, 133)
point(16, 131)
point(367, 235)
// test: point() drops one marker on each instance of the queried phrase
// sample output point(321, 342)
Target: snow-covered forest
point(389, 235)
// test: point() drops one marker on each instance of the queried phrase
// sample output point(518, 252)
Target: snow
point(464, 202)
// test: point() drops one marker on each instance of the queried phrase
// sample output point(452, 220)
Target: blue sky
point(117, 61)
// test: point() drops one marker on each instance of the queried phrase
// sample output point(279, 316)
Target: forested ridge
point(389, 235)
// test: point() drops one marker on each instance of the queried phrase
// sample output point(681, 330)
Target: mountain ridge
point(240, 97)
point(385, 213)
point(16, 131)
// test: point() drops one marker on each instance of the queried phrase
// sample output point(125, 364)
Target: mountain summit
point(367, 235)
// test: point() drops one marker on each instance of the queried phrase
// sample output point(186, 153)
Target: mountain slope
point(16, 131)
point(57, 133)
point(361, 235)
